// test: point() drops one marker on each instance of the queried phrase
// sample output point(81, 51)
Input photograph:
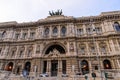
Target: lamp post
point(98, 59)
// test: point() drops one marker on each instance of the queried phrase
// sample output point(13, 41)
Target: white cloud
point(32, 10)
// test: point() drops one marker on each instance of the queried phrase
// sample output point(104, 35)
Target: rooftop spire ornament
point(58, 12)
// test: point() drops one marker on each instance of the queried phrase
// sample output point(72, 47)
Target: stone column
point(40, 67)
point(103, 29)
point(117, 44)
point(6, 50)
point(117, 64)
point(108, 47)
point(90, 66)
point(84, 29)
point(112, 47)
point(101, 64)
point(48, 67)
point(17, 52)
point(59, 67)
point(28, 33)
point(112, 64)
point(97, 49)
point(25, 52)
point(50, 31)
point(59, 30)
point(21, 34)
point(87, 47)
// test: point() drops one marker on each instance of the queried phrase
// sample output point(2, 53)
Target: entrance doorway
point(9, 66)
point(27, 68)
point(54, 67)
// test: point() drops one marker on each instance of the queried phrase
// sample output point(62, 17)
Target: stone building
point(62, 44)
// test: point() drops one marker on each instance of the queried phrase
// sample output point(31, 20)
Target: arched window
point(55, 30)
point(21, 53)
point(117, 26)
point(63, 30)
point(107, 64)
point(3, 34)
point(13, 53)
point(46, 31)
point(85, 67)
point(57, 47)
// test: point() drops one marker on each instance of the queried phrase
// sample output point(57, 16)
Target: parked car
point(64, 75)
point(44, 75)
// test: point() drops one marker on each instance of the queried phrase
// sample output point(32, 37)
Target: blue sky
point(33, 10)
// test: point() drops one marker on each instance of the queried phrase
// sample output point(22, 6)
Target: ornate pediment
point(54, 53)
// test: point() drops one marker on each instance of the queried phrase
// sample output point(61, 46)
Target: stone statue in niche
point(35, 68)
point(71, 47)
point(54, 53)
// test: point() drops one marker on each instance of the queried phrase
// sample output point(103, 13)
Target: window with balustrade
point(98, 30)
point(92, 49)
point(82, 50)
point(63, 31)
point(21, 54)
point(103, 49)
point(29, 53)
point(17, 36)
point(79, 32)
point(32, 35)
point(89, 31)
point(24, 36)
point(55, 31)
point(46, 32)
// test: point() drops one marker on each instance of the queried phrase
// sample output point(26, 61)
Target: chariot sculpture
point(58, 12)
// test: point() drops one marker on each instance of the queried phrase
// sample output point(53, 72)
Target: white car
point(64, 75)
point(44, 75)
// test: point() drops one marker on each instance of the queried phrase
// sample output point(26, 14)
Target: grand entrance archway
point(54, 67)
point(53, 64)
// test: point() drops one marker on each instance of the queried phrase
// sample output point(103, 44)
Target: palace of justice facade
point(59, 44)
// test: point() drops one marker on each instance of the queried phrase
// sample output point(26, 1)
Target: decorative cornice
point(114, 15)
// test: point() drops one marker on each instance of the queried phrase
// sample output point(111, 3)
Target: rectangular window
point(24, 35)
point(89, 31)
point(98, 30)
point(17, 36)
point(82, 50)
point(45, 66)
point(32, 35)
point(29, 53)
point(64, 66)
point(80, 32)
point(92, 49)
point(21, 53)
point(103, 49)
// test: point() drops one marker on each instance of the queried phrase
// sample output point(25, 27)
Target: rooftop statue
point(58, 12)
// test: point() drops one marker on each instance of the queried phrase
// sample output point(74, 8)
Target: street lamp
point(98, 59)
